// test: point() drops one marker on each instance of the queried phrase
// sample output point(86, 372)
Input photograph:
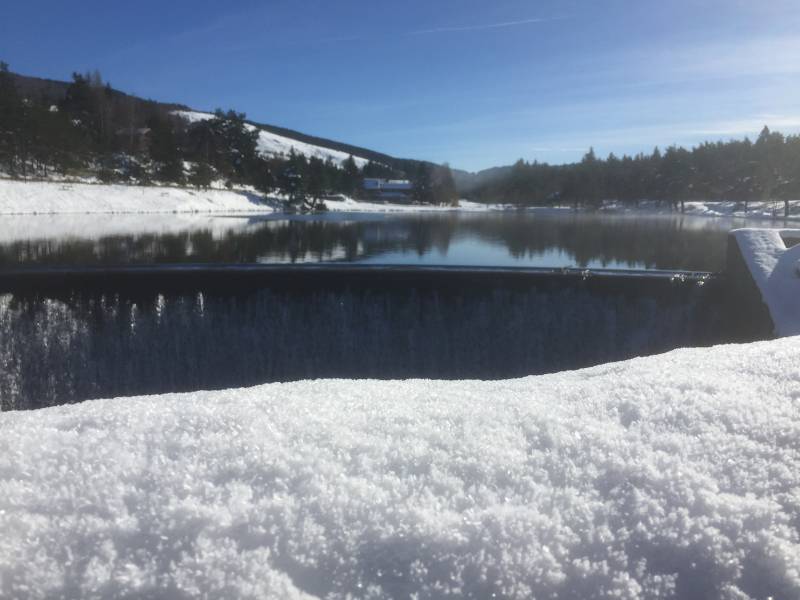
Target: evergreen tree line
point(94, 129)
point(738, 170)
point(434, 184)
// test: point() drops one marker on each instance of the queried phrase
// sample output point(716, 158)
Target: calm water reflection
point(488, 239)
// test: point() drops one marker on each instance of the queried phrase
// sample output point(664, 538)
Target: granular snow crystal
point(675, 476)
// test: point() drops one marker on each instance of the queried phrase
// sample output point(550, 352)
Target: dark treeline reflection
point(689, 243)
point(519, 239)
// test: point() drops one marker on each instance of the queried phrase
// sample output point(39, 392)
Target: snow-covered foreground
point(671, 476)
point(21, 197)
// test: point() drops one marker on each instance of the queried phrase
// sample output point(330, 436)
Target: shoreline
point(71, 197)
point(39, 198)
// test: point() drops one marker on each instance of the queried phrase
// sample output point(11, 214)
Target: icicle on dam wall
point(67, 338)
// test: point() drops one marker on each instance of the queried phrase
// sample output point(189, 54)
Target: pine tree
point(351, 177)
point(443, 186)
point(164, 151)
point(423, 184)
point(200, 175)
point(590, 179)
point(316, 181)
point(262, 177)
point(10, 115)
point(235, 145)
point(291, 179)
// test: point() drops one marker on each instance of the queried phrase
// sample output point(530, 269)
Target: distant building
point(394, 190)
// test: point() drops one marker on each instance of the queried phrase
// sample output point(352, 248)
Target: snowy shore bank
point(44, 197)
point(39, 197)
point(755, 210)
point(351, 205)
point(670, 476)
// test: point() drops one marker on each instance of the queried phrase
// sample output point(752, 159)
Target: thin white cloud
point(784, 123)
point(477, 27)
point(438, 30)
point(728, 59)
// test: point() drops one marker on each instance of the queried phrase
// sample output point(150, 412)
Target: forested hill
point(764, 169)
point(86, 128)
point(55, 91)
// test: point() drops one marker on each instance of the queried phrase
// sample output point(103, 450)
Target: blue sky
point(473, 83)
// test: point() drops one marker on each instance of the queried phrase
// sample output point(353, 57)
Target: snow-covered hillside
point(272, 144)
point(676, 476)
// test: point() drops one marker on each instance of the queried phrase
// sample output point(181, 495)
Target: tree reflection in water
point(502, 239)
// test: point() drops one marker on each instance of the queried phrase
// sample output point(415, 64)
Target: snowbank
point(21, 197)
point(671, 476)
point(776, 271)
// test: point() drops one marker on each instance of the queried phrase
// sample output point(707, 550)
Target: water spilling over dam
point(72, 335)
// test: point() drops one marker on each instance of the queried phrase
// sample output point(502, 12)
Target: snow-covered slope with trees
point(272, 144)
point(676, 476)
